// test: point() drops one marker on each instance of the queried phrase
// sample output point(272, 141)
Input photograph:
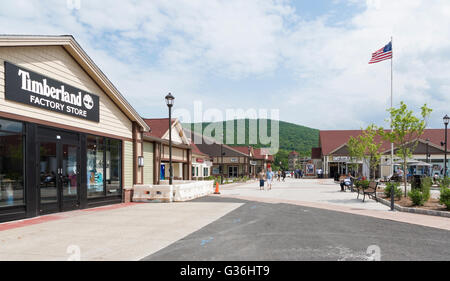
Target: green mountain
point(291, 136)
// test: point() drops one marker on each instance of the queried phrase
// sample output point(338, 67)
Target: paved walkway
point(326, 194)
point(307, 190)
point(117, 232)
point(136, 230)
point(281, 232)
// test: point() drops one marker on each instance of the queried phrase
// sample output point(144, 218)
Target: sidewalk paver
point(116, 233)
point(325, 194)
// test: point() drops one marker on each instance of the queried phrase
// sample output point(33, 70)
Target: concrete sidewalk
point(118, 232)
point(325, 194)
point(308, 190)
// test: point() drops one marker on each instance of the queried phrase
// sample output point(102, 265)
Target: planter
point(414, 210)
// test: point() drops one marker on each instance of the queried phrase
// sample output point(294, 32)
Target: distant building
point(335, 158)
point(293, 160)
point(156, 151)
point(229, 161)
point(201, 163)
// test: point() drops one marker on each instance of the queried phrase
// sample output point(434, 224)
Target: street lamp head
point(446, 119)
point(169, 100)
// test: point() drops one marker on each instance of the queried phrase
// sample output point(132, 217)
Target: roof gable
point(160, 129)
point(85, 62)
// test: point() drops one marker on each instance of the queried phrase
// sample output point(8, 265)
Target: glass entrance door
point(58, 173)
point(69, 176)
point(232, 171)
point(48, 177)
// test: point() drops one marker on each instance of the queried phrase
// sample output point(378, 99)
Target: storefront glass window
point(95, 166)
point(113, 167)
point(11, 163)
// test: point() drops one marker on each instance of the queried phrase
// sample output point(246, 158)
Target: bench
point(371, 191)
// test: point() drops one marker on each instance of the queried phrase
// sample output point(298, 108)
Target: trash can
point(416, 181)
point(336, 177)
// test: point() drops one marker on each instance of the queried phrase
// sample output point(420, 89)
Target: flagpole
point(392, 129)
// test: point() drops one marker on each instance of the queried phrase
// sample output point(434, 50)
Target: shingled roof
point(158, 126)
point(333, 139)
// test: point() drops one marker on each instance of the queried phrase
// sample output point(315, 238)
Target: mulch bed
point(432, 204)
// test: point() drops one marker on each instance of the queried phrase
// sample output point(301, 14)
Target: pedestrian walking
point(269, 178)
point(284, 175)
point(261, 177)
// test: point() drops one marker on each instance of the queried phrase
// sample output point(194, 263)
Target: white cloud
point(148, 48)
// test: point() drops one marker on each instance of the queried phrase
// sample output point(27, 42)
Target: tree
point(355, 151)
point(406, 130)
point(365, 148)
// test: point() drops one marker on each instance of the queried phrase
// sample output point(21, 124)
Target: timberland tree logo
point(33, 89)
point(88, 102)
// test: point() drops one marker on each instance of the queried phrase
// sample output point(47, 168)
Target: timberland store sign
point(28, 87)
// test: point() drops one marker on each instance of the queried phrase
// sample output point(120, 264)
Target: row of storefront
point(70, 140)
point(427, 157)
point(231, 161)
point(67, 136)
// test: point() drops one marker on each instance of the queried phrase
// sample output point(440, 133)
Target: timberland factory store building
point(68, 139)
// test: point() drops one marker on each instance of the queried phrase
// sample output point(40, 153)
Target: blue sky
point(309, 59)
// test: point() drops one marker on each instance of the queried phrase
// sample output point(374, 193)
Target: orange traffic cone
point(217, 188)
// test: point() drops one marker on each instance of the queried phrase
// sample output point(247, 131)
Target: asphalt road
point(261, 231)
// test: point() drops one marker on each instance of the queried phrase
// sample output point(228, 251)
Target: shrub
point(417, 197)
point(426, 192)
point(364, 184)
point(421, 193)
point(427, 182)
point(445, 182)
point(414, 184)
point(397, 190)
point(445, 197)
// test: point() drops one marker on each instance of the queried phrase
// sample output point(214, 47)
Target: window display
point(11, 163)
point(95, 167)
point(104, 160)
point(113, 167)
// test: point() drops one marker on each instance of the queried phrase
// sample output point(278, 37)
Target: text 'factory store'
point(68, 139)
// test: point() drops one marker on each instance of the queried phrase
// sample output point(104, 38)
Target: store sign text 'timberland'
point(28, 87)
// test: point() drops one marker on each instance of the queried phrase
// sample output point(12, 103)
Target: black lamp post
point(446, 121)
point(249, 164)
point(221, 163)
point(169, 101)
point(428, 156)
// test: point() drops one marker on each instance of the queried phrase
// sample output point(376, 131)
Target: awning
point(409, 162)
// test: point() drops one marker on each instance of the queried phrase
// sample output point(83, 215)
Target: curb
point(414, 210)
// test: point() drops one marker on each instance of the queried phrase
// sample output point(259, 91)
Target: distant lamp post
point(446, 120)
point(169, 101)
point(249, 159)
point(221, 167)
point(428, 155)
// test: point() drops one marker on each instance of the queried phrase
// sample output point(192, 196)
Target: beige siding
point(56, 63)
point(128, 164)
point(148, 163)
point(177, 153)
point(175, 135)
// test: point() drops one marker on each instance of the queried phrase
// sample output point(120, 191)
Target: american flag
point(382, 54)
